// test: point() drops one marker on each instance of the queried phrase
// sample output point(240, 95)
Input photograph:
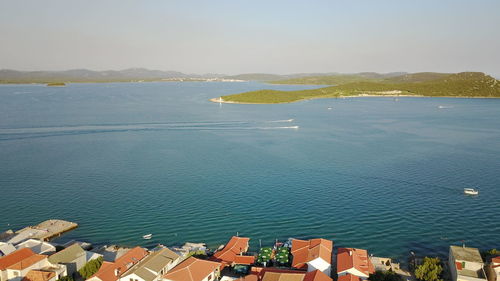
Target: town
point(28, 255)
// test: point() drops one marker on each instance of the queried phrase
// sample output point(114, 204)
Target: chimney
point(350, 253)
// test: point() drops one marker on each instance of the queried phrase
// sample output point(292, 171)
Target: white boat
point(471, 191)
point(147, 236)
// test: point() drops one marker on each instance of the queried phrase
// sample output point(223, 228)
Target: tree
point(66, 278)
point(429, 270)
point(384, 276)
point(90, 268)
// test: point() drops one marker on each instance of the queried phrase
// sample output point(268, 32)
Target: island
point(56, 84)
point(426, 84)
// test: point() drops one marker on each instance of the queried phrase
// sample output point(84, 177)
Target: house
point(6, 248)
point(153, 267)
point(466, 264)
point(314, 254)
point(73, 257)
point(495, 269)
point(193, 269)
point(354, 262)
point(112, 271)
point(40, 275)
point(37, 246)
point(17, 264)
point(232, 251)
point(276, 274)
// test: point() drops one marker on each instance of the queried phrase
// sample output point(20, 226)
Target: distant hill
point(465, 84)
point(338, 79)
point(256, 77)
point(85, 75)
point(417, 77)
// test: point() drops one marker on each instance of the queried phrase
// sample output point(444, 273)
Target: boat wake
point(40, 132)
point(281, 121)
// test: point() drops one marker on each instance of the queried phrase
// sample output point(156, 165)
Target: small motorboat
point(471, 191)
point(147, 236)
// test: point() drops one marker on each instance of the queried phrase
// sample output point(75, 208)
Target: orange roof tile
point(38, 275)
point(122, 264)
point(496, 259)
point(27, 262)
point(246, 260)
point(349, 277)
point(317, 275)
point(348, 258)
point(192, 269)
point(15, 257)
point(305, 251)
point(235, 246)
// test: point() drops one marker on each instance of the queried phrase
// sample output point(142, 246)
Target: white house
point(311, 255)
point(37, 246)
point(17, 264)
point(6, 248)
point(466, 264)
point(495, 266)
point(354, 262)
point(112, 271)
point(153, 267)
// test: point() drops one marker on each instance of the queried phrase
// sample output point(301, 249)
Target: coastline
point(220, 100)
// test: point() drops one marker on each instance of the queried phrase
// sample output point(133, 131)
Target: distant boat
point(147, 236)
point(329, 108)
point(444, 106)
point(471, 191)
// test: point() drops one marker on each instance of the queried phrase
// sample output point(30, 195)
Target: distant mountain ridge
point(85, 75)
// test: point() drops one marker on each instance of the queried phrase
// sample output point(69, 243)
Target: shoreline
point(219, 100)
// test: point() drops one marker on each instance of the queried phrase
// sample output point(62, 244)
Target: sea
point(128, 159)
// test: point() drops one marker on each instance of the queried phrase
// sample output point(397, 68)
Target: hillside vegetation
point(465, 84)
point(338, 79)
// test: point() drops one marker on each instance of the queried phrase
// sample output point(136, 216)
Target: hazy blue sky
point(252, 36)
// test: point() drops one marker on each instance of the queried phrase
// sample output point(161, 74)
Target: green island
point(56, 84)
point(425, 84)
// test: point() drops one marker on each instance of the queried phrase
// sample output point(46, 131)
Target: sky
point(234, 37)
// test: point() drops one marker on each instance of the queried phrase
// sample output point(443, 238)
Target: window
point(16, 273)
point(209, 277)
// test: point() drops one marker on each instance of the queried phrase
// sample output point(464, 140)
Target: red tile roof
point(192, 269)
point(246, 260)
point(348, 258)
point(496, 259)
point(234, 247)
point(107, 272)
point(349, 277)
point(20, 259)
point(38, 275)
point(269, 273)
point(306, 251)
point(317, 276)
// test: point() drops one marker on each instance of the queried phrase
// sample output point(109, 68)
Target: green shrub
point(90, 268)
point(429, 270)
point(384, 276)
point(66, 278)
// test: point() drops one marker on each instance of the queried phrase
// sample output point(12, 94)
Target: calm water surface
point(128, 159)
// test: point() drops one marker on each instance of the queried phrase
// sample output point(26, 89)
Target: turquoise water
point(124, 160)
